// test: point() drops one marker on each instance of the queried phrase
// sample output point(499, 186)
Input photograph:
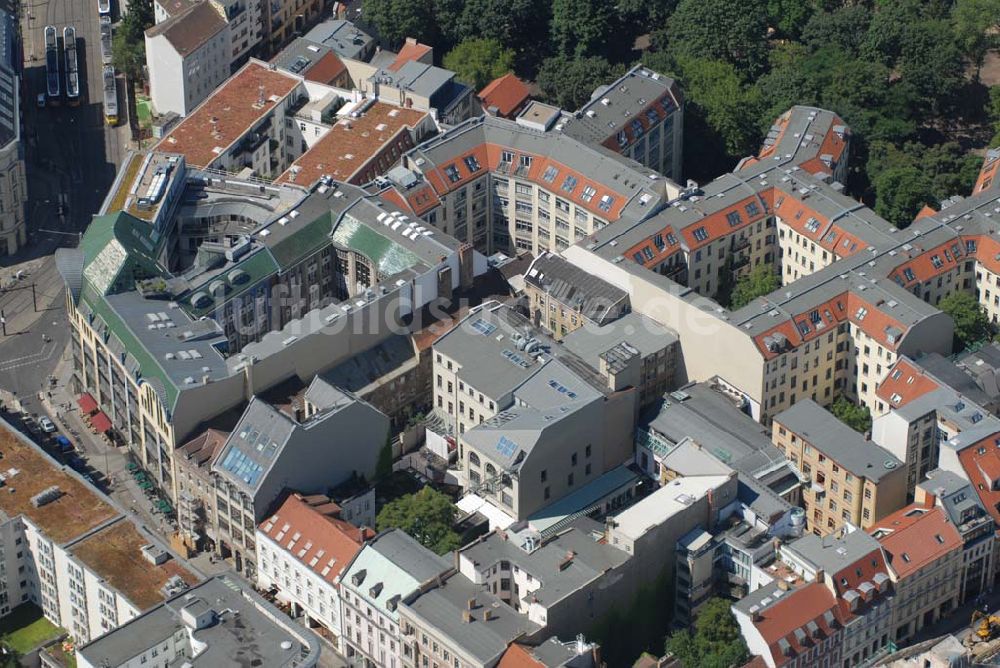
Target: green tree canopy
point(971, 322)
point(854, 416)
point(759, 282)
point(900, 193)
point(427, 515)
point(582, 28)
point(398, 19)
point(128, 56)
point(569, 82)
point(479, 61)
point(719, 30)
point(728, 107)
point(716, 641)
point(976, 23)
point(519, 25)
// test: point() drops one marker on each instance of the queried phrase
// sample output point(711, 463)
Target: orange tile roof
point(519, 656)
point(506, 93)
point(325, 543)
point(927, 264)
point(717, 223)
point(916, 536)
point(793, 611)
point(987, 174)
point(906, 381)
point(926, 211)
point(411, 51)
point(488, 156)
point(228, 113)
point(349, 148)
point(663, 106)
point(832, 145)
point(326, 70)
point(978, 462)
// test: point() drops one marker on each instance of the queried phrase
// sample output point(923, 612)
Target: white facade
point(298, 584)
point(180, 82)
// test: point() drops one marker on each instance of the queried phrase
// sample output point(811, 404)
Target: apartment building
point(835, 606)
point(633, 351)
point(700, 429)
point(490, 189)
point(266, 453)
point(244, 20)
point(640, 115)
point(852, 480)
point(956, 496)
point(196, 488)
point(561, 584)
point(220, 622)
point(169, 311)
point(389, 567)
point(455, 622)
point(563, 298)
point(303, 548)
point(72, 552)
point(188, 57)
point(505, 96)
point(286, 19)
point(924, 552)
point(13, 187)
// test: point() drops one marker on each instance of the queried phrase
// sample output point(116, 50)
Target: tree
point(716, 641)
point(479, 61)
point(427, 515)
point(976, 22)
point(519, 25)
point(582, 28)
point(569, 82)
point(759, 282)
point(128, 56)
point(729, 107)
point(994, 114)
point(971, 322)
point(788, 17)
point(398, 19)
point(900, 193)
point(844, 29)
point(719, 30)
point(854, 416)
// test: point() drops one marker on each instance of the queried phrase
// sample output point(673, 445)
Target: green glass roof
point(302, 242)
point(389, 257)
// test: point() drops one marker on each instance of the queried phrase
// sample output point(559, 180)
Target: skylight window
point(451, 171)
point(550, 174)
point(607, 201)
point(752, 209)
point(733, 218)
point(936, 261)
point(700, 234)
point(908, 275)
point(569, 183)
point(471, 162)
point(588, 193)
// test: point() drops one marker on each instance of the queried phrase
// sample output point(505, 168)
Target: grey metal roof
point(442, 607)
point(633, 330)
point(395, 561)
point(712, 420)
point(593, 297)
point(831, 553)
point(246, 628)
point(254, 444)
point(984, 366)
point(956, 495)
point(343, 37)
point(852, 451)
point(356, 373)
point(591, 560)
point(960, 376)
point(300, 54)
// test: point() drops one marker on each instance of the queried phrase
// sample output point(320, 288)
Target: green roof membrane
point(302, 242)
point(389, 257)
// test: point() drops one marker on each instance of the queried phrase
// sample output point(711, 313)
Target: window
point(451, 171)
point(588, 193)
point(700, 234)
point(526, 161)
point(550, 174)
point(607, 201)
point(471, 162)
point(733, 218)
point(569, 183)
point(752, 209)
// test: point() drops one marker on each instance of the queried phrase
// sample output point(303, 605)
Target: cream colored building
point(852, 480)
point(13, 186)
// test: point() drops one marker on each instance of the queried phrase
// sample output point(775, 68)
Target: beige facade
point(13, 194)
point(836, 496)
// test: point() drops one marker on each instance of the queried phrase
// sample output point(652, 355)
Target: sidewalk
point(109, 461)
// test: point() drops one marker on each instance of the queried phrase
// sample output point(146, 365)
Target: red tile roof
point(310, 529)
point(228, 113)
point(979, 461)
point(506, 93)
point(906, 381)
point(352, 143)
point(326, 70)
point(411, 51)
point(793, 611)
point(987, 174)
point(519, 656)
point(916, 536)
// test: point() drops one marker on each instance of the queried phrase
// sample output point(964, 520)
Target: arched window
point(490, 470)
point(474, 459)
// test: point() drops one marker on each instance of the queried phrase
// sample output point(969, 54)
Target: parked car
point(46, 424)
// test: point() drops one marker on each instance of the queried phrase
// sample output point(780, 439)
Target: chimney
point(470, 604)
point(466, 617)
point(487, 615)
point(260, 95)
point(820, 575)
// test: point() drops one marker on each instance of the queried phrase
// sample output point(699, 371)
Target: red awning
point(86, 403)
point(100, 422)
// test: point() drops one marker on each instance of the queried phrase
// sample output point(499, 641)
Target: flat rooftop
point(73, 514)
point(114, 553)
point(351, 144)
point(664, 503)
point(228, 113)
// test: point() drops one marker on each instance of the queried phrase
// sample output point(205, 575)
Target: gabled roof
point(916, 536)
point(191, 28)
point(506, 94)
